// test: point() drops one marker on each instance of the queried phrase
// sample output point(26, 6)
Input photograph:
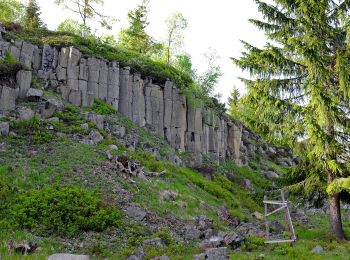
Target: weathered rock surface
point(68, 257)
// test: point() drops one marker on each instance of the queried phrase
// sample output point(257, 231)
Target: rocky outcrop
point(162, 108)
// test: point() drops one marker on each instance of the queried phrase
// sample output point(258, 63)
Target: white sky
point(218, 24)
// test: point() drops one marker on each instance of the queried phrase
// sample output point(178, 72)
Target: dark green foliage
point(102, 108)
point(32, 18)
point(64, 210)
point(300, 86)
point(9, 65)
point(34, 129)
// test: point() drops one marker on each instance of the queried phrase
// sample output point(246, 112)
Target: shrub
point(9, 65)
point(102, 108)
point(65, 210)
point(34, 129)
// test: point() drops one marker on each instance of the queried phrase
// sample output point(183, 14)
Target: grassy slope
point(37, 158)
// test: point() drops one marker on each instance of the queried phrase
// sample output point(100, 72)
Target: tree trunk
point(335, 215)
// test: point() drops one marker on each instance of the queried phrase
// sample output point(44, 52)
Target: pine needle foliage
point(299, 89)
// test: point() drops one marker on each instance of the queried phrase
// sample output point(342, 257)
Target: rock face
point(161, 108)
point(68, 257)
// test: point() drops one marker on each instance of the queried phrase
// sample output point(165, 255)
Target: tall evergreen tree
point(32, 16)
point(300, 87)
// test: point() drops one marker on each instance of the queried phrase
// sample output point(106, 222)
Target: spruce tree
point(299, 89)
point(32, 16)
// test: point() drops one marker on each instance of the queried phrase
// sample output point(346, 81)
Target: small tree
point(233, 101)
point(135, 36)
point(74, 27)
point(300, 89)
point(176, 24)
point(32, 16)
point(87, 10)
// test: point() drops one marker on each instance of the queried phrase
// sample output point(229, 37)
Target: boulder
point(95, 137)
point(34, 94)
point(25, 113)
point(68, 257)
point(213, 254)
point(317, 249)
point(49, 107)
point(154, 242)
point(192, 232)
point(212, 242)
point(135, 211)
point(234, 240)
point(4, 128)
point(271, 175)
point(7, 99)
point(161, 258)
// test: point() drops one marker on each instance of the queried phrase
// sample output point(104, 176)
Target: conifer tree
point(299, 90)
point(135, 36)
point(32, 16)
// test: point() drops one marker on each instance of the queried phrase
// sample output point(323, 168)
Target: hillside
point(104, 160)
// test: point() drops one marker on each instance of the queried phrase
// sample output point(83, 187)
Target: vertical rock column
point(154, 107)
point(113, 85)
point(168, 109)
point(93, 78)
point(138, 101)
point(102, 81)
point(234, 140)
point(125, 92)
point(178, 120)
point(194, 132)
point(73, 69)
point(87, 98)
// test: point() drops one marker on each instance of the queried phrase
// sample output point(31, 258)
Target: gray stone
point(95, 136)
point(49, 107)
point(96, 119)
point(93, 75)
point(154, 242)
point(102, 81)
point(192, 232)
point(85, 126)
point(75, 97)
point(61, 73)
point(68, 257)
point(317, 249)
point(63, 57)
point(4, 47)
point(125, 92)
point(271, 175)
point(154, 107)
point(25, 113)
point(213, 254)
point(26, 56)
point(135, 211)
point(4, 128)
point(113, 147)
point(24, 80)
point(49, 61)
point(161, 258)
point(34, 94)
point(138, 101)
point(113, 85)
point(83, 70)
point(7, 98)
point(36, 61)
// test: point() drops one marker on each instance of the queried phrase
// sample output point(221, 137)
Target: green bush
point(102, 108)
point(65, 210)
point(9, 65)
point(34, 129)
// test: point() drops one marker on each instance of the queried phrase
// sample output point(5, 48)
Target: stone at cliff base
point(317, 249)
point(96, 137)
point(25, 113)
point(24, 80)
point(7, 98)
point(34, 94)
point(49, 107)
point(136, 212)
point(68, 257)
point(154, 242)
point(271, 175)
point(213, 254)
point(4, 128)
